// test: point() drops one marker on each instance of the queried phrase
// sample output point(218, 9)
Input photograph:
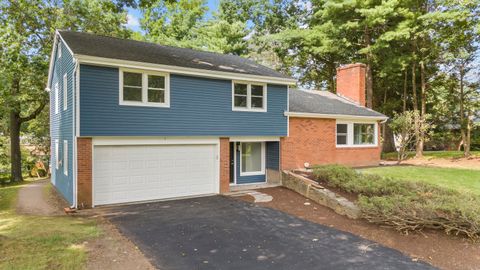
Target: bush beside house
point(406, 205)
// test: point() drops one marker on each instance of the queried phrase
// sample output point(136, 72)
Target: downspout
point(74, 135)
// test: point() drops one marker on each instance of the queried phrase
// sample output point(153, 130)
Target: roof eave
point(335, 116)
point(95, 60)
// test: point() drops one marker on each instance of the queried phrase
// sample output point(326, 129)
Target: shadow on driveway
point(223, 233)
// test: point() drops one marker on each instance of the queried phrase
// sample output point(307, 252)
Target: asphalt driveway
point(223, 233)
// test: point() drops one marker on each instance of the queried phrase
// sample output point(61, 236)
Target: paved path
point(33, 199)
point(223, 233)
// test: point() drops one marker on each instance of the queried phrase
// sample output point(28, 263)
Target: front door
point(250, 162)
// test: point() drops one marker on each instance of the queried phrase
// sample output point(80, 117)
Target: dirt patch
point(113, 251)
point(472, 163)
point(39, 199)
point(437, 248)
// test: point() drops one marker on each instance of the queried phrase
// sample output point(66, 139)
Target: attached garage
point(131, 173)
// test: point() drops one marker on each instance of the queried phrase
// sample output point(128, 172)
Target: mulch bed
point(441, 250)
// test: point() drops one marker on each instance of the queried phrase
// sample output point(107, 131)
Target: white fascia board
point(85, 59)
point(335, 116)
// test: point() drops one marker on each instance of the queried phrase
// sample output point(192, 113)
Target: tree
point(26, 32)
point(403, 126)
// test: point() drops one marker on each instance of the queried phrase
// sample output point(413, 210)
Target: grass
point(34, 242)
point(431, 154)
point(462, 180)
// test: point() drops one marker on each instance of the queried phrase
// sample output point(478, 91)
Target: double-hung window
point(56, 97)
point(351, 134)
point(65, 157)
point(65, 92)
point(140, 88)
point(249, 97)
point(57, 159)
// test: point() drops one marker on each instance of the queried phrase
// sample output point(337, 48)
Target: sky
point(134, 15)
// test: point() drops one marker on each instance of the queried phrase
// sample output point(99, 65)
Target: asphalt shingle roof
point(124, 49)
point(324, 102)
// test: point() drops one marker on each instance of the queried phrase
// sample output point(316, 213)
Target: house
point(135, 121)
point(327, 128)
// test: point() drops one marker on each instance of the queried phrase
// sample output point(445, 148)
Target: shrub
point(406, 205)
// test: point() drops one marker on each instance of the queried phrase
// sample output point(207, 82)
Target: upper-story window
point(139, 88)
point(59, 50)
point(65, 92)
point(356, 134)
point(249, 97)
point(56, 97)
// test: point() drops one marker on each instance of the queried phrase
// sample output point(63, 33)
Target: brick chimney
point(351, 82)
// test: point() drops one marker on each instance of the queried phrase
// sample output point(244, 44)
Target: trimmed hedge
point(406, 205)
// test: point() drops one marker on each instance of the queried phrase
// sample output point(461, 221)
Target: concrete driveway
point(223, 233)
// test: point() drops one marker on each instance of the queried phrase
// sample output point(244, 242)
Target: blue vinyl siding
point(61, 124)
point(249, 179)
point(198, 107)
point(273, 155)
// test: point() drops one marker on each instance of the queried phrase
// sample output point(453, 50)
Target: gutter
point(336, 116)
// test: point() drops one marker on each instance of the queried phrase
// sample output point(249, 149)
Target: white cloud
point(132, 21)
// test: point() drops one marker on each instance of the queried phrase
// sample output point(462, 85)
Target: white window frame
point(57, 161)
point(249, 97)
point(144, 101)
point(56, 98)
point(350, 134)
point(262, 171)
point(65, 157)
point(59, 49)
point(65, 92)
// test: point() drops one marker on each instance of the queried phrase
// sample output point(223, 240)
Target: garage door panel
point(136, 173)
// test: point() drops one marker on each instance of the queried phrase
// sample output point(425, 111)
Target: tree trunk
point(369, 75)
point(388, 139)
point(15, 153)
point(463, 120)
point(423, 110)
point(405, 85)
point(415, 107)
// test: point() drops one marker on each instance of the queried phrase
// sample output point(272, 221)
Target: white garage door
point(151, 172)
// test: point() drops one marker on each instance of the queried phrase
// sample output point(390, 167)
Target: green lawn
point(462, 180)
point(431, 154)
point(30, 242)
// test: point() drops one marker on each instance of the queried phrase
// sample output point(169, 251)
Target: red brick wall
point(313, 140)
point(224, 165)
point(351, 82)
point(84, 174)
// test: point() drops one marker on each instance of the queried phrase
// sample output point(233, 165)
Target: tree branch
point(34, 113)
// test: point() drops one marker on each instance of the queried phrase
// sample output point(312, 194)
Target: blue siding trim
point(250, 179)
point(61, 124)
point(273, 155)
point(198, 107)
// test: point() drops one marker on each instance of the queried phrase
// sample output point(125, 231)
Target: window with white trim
point(356, 134)
point(249, 96)
point(65, 92)
point(65, 157)
point(144, 88)
point(252, 158)
point(57, 160)
point(59, 49)
point(56, 98)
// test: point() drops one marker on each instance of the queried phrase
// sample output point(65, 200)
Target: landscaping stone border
point(319, 194)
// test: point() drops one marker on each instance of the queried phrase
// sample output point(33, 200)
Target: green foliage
point(403, 127)
point(407, 205)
